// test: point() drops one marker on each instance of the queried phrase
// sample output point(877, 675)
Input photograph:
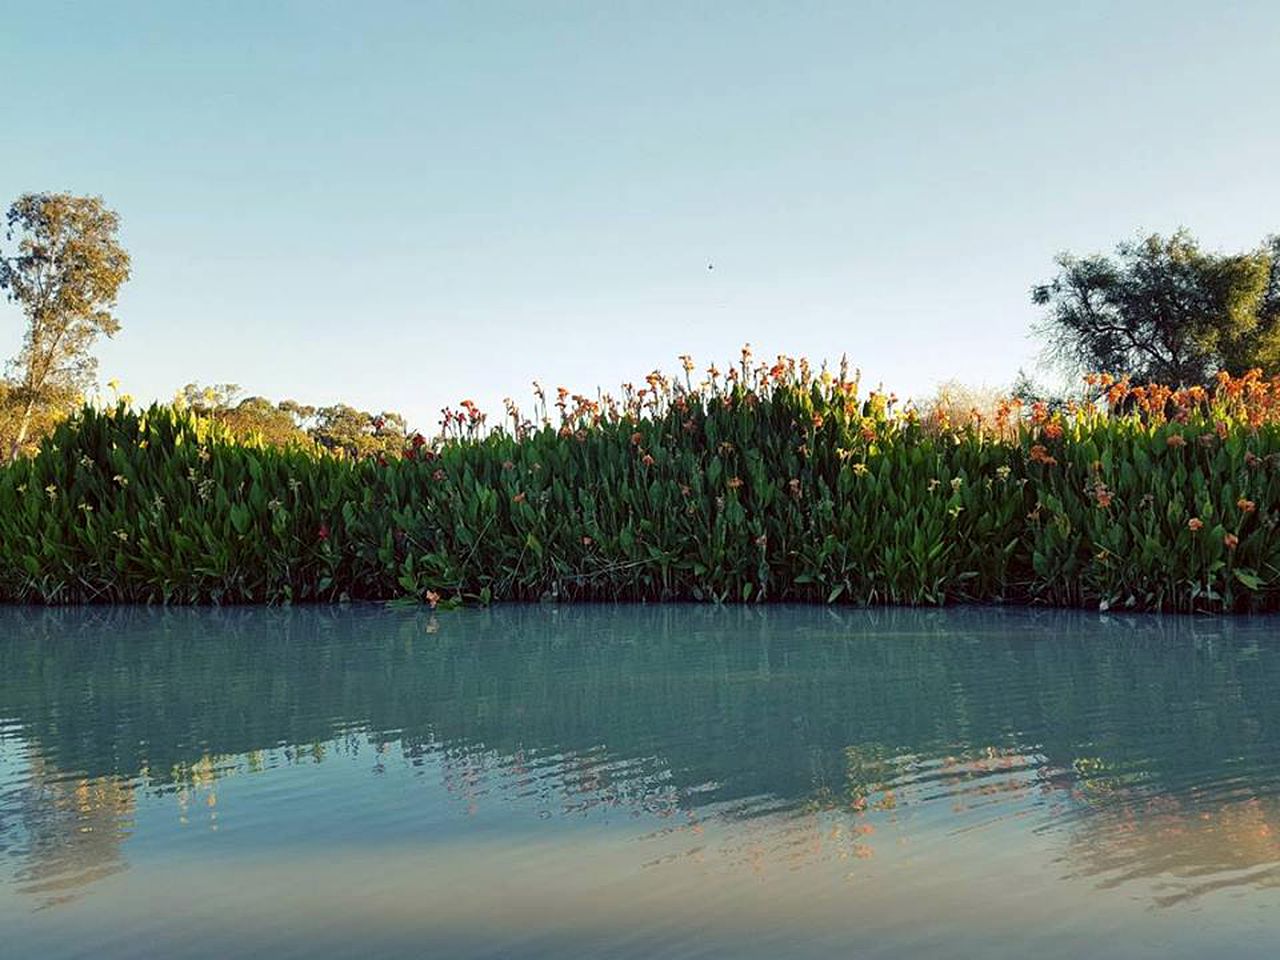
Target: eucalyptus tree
point(63, 266)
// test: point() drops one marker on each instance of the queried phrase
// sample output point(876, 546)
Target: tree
point(64, 274)
point(1165, 310)
point(277, 424)
point(339, 428)
point(54, 407)
point(357, 433)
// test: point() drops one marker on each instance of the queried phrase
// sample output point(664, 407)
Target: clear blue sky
point(404, 204)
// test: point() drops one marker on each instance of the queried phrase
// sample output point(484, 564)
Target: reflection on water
point(637, 781)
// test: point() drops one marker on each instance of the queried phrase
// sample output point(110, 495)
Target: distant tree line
point(1159, 309)
point(338, 428)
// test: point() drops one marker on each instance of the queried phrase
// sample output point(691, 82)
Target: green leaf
point(1248, 578)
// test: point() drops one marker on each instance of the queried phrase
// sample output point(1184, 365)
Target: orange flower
point(647, 460)
point(1246, 506)
point(1053, 430)
point(1176, 440)
point(1231, 540)
point(735, 483)
point(518, 498)
point(433, 598)
point(1102, 495)
point(817, 421)
point(1195, 523)
point(869, 433)
point(637, 439)
point(1038, 454)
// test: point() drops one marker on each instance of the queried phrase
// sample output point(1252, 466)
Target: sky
point(401, 205)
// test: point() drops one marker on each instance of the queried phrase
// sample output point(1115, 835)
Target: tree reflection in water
point(757, 739)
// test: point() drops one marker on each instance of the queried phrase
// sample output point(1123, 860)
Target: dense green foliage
point(771, 484)
point(1165, 310)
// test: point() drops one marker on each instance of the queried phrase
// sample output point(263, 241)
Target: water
point(637, 782)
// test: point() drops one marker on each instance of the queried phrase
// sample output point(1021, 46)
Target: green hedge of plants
point(769, 483)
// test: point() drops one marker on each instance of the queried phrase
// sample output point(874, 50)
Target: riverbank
point(771, 483)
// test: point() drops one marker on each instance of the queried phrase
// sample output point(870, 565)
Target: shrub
point(769, 482)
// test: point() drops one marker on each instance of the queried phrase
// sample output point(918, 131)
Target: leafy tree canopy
point(1163, 309)
point(63, 267)
point(339, 428)
point(357, 433)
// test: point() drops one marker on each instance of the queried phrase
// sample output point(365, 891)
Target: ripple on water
point(676, 780)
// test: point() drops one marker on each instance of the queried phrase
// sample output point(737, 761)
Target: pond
point(637, 782)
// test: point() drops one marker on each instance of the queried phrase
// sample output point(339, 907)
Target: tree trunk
point(23, 427)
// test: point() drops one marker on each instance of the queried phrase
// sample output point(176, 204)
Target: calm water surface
point(637, 782)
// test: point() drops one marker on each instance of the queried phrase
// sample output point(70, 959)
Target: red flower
point(323, 533)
